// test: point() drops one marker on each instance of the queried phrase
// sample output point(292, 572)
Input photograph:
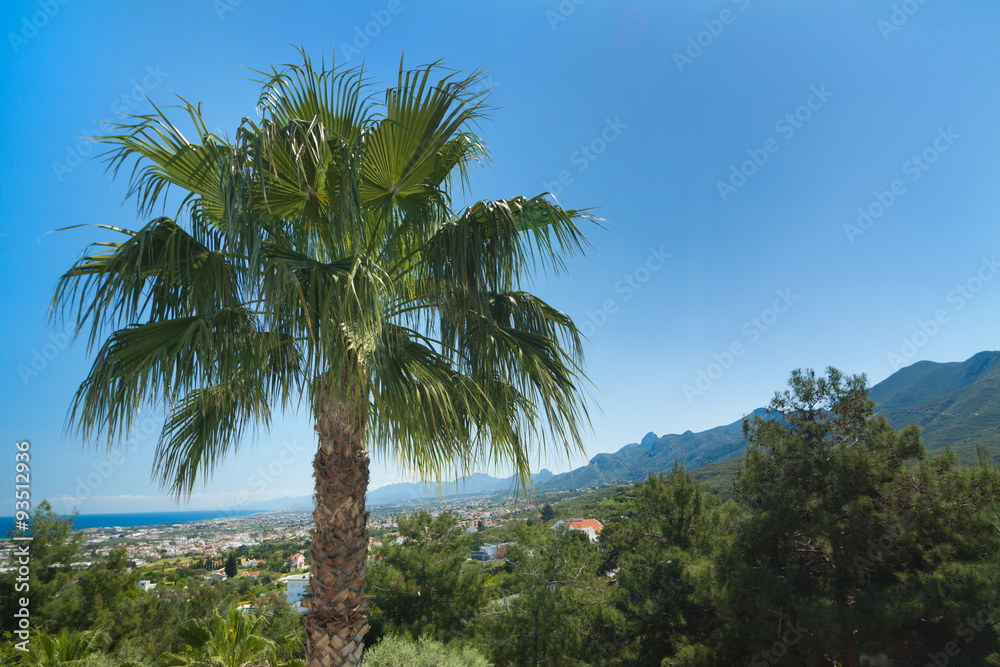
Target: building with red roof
point(590, 526)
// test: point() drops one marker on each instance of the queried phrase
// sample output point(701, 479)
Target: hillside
point(476, 484)
point(956, 404)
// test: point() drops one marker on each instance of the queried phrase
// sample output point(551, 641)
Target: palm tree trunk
point(336, 620)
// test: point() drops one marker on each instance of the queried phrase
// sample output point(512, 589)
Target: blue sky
point(787, 185)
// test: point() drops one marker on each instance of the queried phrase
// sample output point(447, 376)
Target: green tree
point(424, 587)
point(67, 649)
point(317, 256)
point(548, 513)
point(51, 552)
point(992, 468)
point(98, 598)
point(395, 651)
point(650, 550)
point(550, 604)
point(234, 640)
point(231, 567)
point(848, 542)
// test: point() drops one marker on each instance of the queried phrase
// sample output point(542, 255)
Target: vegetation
point(233, 640)
point(67, 648)
point(100, 616)
point(399, 652)
point(318, 256)
point(842, 543)
point(420, 587)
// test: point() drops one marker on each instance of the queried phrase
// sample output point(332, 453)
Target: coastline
point(141, 519)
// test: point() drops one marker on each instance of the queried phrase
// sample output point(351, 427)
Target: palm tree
point(234, 640)
point(67, 648)
point(318, 256)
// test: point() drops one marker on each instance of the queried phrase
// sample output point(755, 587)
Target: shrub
point(398, 652)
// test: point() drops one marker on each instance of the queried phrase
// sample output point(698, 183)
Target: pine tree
point(424, 587)
point(848, 542)
point(231, 566)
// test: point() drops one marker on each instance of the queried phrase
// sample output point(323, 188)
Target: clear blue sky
point(739, 137)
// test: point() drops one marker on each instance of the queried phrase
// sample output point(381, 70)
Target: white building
point(491, 551)
point(146, 585)
point(297, 586)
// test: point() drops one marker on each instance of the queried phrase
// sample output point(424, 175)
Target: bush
point(397, 652)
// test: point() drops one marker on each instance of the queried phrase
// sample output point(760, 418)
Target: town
point(268, 552)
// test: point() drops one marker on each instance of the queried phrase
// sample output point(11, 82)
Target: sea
point(82, 521)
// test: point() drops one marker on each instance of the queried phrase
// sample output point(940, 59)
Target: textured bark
point(336, 619)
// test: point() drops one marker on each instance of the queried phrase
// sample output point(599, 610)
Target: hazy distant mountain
point(279, 504)
point(473, 484)
point(406, 491)
point(956, 404)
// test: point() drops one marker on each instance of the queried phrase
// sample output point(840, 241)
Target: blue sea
point(139, 518)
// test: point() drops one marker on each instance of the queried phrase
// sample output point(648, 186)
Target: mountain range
point(956, 405)
point(469, 485)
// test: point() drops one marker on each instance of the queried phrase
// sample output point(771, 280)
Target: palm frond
point(430, 416)
point(161, 155)
point(143, 364)
point(160, 271)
